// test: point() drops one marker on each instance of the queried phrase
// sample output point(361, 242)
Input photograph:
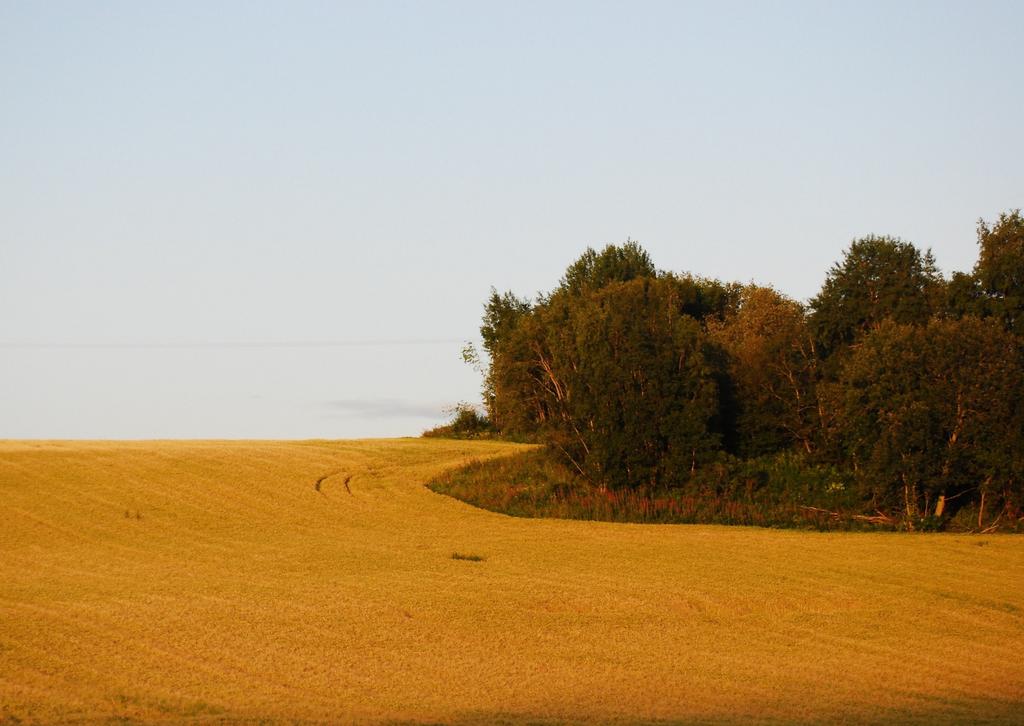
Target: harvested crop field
point(320, 581)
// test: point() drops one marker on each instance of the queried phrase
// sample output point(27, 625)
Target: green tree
point(1000, 269)
point(932, 412)
point(507, 384)
point(879, 278)
point(964, 296)
point(615, 263)
point(626, 383)
point(612, 368)
point(771, 362)
point(515, 332)
point(502, 314)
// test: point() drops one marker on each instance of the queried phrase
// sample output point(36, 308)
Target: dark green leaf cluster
point(880, 278)
point(594, 269)
point(933, 411)
point(1000, 270)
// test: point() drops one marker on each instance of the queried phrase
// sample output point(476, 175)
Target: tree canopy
point(1000, 269)
point(910, 383)
point(879, 278)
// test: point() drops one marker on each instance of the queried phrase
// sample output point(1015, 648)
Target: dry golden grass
point(211, 581)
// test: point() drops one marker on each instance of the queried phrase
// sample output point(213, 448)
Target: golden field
point(212, 582)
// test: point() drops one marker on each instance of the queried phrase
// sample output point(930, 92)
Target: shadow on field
point(945, 711)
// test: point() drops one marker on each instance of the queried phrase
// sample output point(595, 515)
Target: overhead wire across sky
point(226, 344)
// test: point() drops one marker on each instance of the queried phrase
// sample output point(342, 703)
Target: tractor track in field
point(318, 485)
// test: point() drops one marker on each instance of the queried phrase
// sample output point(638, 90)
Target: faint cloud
point(384, 408)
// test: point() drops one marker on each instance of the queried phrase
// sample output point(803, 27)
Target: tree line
point(906, 383)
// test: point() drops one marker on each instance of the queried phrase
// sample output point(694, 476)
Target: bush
point(466, 423)
point(778, 491)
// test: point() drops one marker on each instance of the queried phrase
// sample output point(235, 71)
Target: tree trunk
point(911, 509)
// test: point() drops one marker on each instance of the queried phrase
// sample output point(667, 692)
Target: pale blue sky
point(176, 176)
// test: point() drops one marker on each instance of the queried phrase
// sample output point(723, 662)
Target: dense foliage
point(879, 278)
point(905, 385)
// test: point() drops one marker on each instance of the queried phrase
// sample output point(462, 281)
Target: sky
point(280, 220)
